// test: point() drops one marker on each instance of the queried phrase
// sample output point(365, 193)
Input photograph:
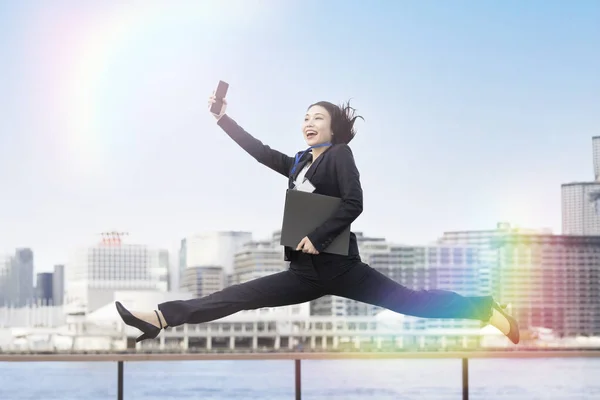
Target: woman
point(329, 166)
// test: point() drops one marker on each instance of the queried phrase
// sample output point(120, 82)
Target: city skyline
point(543, 277)
point(104, 123)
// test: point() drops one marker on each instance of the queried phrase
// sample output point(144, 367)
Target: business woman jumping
point(329, 166)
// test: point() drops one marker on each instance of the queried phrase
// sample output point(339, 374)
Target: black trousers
point(305, 281)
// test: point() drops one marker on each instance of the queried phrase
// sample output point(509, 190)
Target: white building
point(202, 281)
point(261, 258)
point(483, 241)
point(373, 251)
point(581, 208)
point(257, 259)
point(5, 272)
point(581, 201)
point(596, 156)
point(482, 238)
point(16, 278)
point(94, 273)
point(211, 249)
point(455, 267)
point(58, 284)
point(552, 281)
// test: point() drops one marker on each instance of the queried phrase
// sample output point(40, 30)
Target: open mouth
point(310, 134)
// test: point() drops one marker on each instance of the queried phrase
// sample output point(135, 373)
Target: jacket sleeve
point(351, 206)
point(265, 155)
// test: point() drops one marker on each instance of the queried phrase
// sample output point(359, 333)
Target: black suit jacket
point(334, 173)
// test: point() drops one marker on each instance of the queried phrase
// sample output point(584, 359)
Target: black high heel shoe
point(513, 332)
point(150, 331)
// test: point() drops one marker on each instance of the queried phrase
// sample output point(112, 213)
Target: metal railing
point(120, 359)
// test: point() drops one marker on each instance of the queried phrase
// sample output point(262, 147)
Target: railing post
point(465, 378)
point(120, 380)
point(298, 380)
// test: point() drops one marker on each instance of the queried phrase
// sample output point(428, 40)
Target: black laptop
point(305, 211)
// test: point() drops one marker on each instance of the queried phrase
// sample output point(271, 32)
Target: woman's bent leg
point(368, 285)
point(280, 289)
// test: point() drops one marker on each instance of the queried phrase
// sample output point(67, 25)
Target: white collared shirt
point(300, 178)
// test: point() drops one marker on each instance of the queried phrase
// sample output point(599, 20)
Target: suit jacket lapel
point(315, 165)
point(305, 159)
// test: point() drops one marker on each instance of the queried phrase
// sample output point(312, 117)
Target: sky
point(475, 113)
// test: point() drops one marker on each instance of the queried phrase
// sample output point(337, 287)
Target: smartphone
point(220, 94)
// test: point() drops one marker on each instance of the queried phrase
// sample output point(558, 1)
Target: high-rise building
point(202, 281)
point(581, 201)
point(551, 281)
point(58, 284)
point(23, 268)
point(210, 249)
point(454, 267)
point(581, 208)
point(95, 273)
point(5, 272)
point(16, 279)
point(43, 288)
point(371, 252)
point(256, 259)
point(482, 240)
point(596, 155)
point(163, 264)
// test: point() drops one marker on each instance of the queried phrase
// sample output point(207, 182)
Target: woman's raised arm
point(265, 155)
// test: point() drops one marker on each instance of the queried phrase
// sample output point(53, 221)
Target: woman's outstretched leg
point(280, 289)
point(368, 285)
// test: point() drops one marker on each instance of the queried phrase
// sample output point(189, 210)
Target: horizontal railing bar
point(291, 356)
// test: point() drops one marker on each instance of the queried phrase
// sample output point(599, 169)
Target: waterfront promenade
point(462, 358)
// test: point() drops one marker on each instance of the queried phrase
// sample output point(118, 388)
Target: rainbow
point(88, 52)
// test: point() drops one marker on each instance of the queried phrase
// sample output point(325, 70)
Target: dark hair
point(342, 120)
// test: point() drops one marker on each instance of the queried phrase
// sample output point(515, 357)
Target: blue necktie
point(299, 155)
